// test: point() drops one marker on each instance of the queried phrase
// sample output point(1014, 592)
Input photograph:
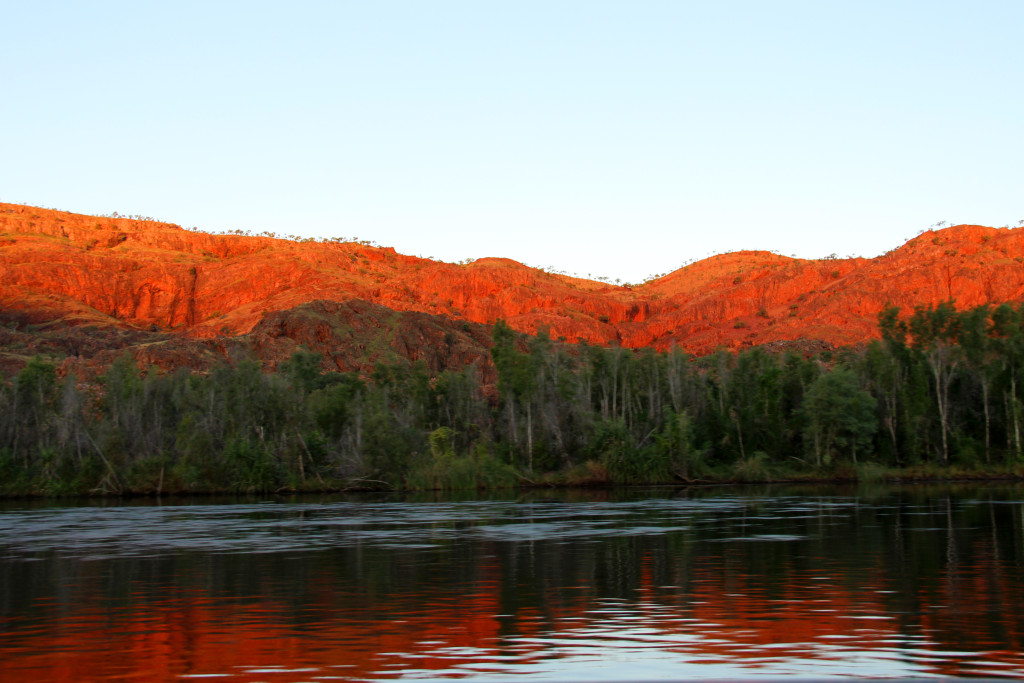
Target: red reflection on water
point(714, 612)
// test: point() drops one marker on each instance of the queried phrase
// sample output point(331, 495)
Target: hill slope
point(120, 273)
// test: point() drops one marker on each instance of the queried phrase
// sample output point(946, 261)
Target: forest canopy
point(938, 392)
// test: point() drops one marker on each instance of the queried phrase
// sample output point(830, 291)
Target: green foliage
point(441, 447)
point(443, 469)
point(252, 469)
point(335, 409)
point(11, 475)
point(869, 472)
point(675, 448)
point(940, 389)
point(753, 468)
point(841, 417)
point(611, 446)
point(302, 371)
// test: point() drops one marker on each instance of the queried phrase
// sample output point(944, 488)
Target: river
point(773, 581)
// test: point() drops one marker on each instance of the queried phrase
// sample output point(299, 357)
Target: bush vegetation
point(939, 393)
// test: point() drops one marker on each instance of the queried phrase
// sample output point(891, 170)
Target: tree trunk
point(942, 376)
point(529, 435)
point(817, 446)
point(988, 422)
point(1014, 411)
point(514, 433)
point(739, 432)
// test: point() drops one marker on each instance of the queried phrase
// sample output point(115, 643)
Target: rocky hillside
point(136, 280)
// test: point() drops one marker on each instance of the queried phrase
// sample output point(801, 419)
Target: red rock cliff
point(125, 272)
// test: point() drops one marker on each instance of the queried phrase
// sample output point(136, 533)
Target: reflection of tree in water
point(941, 570)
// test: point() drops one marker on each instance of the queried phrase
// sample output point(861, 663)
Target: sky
point(616, 139)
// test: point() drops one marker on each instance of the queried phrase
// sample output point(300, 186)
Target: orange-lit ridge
point(128, 274)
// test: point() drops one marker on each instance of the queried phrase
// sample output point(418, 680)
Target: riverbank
point(590, 476)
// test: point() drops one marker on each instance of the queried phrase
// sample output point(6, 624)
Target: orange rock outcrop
point(148, 275)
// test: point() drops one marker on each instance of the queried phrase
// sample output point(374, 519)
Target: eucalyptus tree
point(982, 362)
point(1007, 339)
point(516, 386)
point(840, 415)
point(29, 424)
point(884, 375)
point(935, 333)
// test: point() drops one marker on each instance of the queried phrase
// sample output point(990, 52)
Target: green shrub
point(442, 469)
point(870, 471)
point(252, 468)
point(675, 444)
point(752, 468)
point(588, 473)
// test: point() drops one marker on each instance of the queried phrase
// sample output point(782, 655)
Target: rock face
point(356, 334)
point(749, 298)
point(269, 293)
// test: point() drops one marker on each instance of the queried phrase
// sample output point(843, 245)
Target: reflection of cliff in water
point(917, 584)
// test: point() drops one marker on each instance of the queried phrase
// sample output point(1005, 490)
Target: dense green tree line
point(941, 389)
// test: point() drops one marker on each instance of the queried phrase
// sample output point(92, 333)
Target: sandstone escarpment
point(147, 275)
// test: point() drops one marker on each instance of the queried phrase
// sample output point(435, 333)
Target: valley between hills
point(81, 290)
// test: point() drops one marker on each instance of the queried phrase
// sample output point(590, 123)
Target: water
point(770, 582)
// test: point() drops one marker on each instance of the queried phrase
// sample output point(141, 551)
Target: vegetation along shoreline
point(937, 397)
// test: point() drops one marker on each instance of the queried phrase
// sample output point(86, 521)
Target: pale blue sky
point(611, 138)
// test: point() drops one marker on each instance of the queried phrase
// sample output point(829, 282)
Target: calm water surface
point(776, 582)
